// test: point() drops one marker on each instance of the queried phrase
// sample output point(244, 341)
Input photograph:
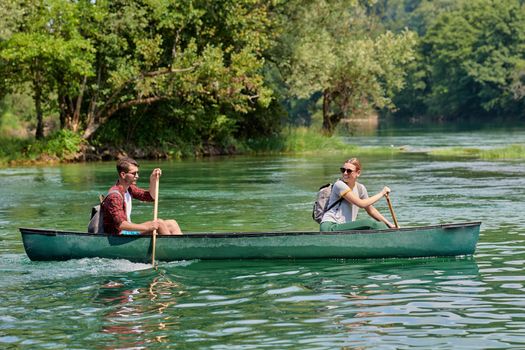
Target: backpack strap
point(110, 192)
point(359, 190)
point(334, 203)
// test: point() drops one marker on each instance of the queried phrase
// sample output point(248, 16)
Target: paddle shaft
point(391, 210)
point(155, 213)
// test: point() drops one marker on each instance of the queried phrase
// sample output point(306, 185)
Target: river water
point(475, 302)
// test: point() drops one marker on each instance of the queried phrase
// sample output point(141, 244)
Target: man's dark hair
point(123, 164)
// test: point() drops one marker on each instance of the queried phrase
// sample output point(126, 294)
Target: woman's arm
point(363, 203)
point(373, 212)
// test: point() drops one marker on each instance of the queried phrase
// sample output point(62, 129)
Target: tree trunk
point(75, 122)
point(104, 115)
point(65, 105)
point(327, 122)
point(62, 107)
point(330, 120)
point(39, 134)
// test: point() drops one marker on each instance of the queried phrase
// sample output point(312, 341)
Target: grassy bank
point(62, 146)
point(308, 141)
point(508, 152)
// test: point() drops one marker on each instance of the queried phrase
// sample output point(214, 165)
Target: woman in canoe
point(117, 206)
point(347, 197)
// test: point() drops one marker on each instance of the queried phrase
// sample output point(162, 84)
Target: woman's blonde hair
point(355, 162)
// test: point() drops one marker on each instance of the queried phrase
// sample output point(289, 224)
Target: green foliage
point(9, 124)
point(374, 72)
point(471, 62)
point(328, 47)
point(261, 122)
point(11, 11)
point(15, 111)
point(196, 55)
point(100, 59)
point(12, 149)
point(416, 15)
point(63, 145)
point(44, 49)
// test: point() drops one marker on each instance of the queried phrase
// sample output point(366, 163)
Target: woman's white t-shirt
point(344, 211)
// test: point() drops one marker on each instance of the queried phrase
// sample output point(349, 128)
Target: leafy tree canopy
point(101, 58)
point(476, 58)
point(330, 47)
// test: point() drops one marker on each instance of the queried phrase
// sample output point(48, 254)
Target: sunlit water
point(473, 302)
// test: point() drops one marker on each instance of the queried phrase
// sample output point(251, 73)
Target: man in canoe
point(347, 197)
point(117, 206)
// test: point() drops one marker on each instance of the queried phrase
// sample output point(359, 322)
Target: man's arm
point(143, 195)
point(154, 177)
point(140, 194)
point(145, 227)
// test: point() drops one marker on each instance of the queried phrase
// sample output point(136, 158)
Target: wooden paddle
point(391, 210)
point(155, 213)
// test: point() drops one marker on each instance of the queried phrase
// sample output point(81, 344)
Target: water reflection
point(117, 321)
point(363, 297)
point(136, 313)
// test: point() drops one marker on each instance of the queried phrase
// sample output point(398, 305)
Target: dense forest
point(172, 78)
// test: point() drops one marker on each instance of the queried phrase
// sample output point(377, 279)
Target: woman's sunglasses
point(345, 170)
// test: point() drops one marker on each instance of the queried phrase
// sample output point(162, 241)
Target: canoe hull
point(429, 241)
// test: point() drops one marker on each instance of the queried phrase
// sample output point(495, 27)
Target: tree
point(11, 12)
point(331, 47)
point(198, 54)
point(476, 56)
point(45, 44)
point(101, 58)
point(416, 15)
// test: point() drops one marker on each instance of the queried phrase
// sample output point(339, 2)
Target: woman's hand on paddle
point(390, 225)
point(386, 191)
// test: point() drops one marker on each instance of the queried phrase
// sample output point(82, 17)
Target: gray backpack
point(323, 195)
point(96, 224)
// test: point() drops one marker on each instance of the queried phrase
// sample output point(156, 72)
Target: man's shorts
point(129, 233)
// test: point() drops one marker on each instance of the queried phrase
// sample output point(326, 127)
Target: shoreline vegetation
point(515, 151)
point(98, 80)
point(67, 147)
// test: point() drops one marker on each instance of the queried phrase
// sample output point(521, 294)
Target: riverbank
point(68, 147)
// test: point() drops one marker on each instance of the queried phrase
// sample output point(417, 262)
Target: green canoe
point(425, 241)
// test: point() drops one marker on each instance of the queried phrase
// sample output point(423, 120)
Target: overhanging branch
point(165, 71)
